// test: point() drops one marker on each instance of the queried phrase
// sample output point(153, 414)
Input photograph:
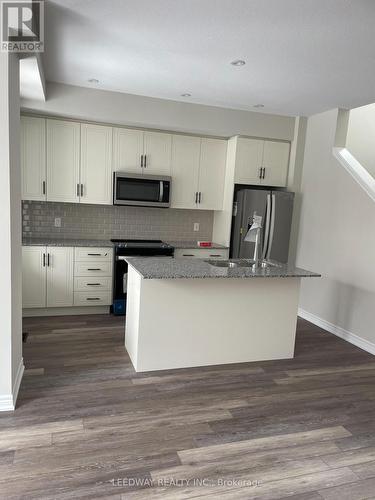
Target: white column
point(11, 363)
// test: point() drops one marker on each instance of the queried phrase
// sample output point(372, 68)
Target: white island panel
point(180, 323)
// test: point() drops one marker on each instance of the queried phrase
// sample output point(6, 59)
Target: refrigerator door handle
point(272, 226)
point(267, 226)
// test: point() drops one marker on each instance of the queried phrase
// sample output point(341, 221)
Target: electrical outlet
point(57, 221)
point(196, 226)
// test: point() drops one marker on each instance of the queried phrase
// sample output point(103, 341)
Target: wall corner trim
point(338, 331)
point(8, 401)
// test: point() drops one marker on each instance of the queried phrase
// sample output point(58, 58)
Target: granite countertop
point(65, 242)
point(170, 268)
point(193, 244)
point(70, 242)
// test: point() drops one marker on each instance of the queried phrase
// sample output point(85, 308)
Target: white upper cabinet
point(212, 174)
point(157, 149)
point(249, 155)
point(33, 158)
point(34, 262)
point(185, 171)
point(96, 164)
point(141, 152)
point(63, 155)
point(261, 162)
point(127, 150)
point(275, 163)
point(59, 276)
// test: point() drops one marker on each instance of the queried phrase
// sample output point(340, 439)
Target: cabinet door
point(33, 158)
point(59, 276)
point(249, 154)
point(275, 162)
point(157, 148)
point(96, 164)
point(33, 277)
point(185, 171)
point(127, 150)
point(212, 174)
point(63, 152)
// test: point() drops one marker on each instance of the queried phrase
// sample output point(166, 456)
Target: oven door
point(141, 190)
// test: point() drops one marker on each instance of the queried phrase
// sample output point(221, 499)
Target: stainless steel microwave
point(141, 190)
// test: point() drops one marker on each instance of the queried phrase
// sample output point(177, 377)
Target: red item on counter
point(205, 243)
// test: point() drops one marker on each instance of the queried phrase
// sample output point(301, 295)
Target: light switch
point(57, 221)
point(196, 226)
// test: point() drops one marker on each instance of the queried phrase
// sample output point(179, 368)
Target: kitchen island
point(191, 312)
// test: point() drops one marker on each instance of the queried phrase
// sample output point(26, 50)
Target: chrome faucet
point(253, 235)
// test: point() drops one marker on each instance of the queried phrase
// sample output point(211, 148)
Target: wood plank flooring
point(87, 426)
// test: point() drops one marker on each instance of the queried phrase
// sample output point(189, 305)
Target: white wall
point(361, 136)
point(132, 110)
point(337, 236)
point(11, 366)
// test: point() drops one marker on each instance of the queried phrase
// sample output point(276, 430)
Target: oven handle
point(161, 192)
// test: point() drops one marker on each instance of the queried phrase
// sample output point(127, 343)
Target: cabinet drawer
point(89, 254)
point(90, 284)
point(201, 253)
point(92, 298)
point(94, 268)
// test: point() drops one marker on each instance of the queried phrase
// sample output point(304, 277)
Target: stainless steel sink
point(241, 263)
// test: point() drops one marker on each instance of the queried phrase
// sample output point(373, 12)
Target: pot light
point(93, 80)
point(238, 62)
point(186, 95)
point(258, 106)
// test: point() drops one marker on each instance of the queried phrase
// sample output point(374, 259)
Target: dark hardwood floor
point(87, 426)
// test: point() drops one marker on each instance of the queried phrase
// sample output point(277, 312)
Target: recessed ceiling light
point(238, 62)
point(186, 95)
point(258, 105)
point(93, 80)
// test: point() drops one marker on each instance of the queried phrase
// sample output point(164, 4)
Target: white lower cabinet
point(201, 253)
point(93, 276)
point(34, 285)
point(66, 276)
point(47, 277)
point(59, 276)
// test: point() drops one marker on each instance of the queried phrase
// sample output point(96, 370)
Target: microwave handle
point(161, 191)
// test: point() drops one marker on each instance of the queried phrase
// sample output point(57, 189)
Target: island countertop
point(170, 268)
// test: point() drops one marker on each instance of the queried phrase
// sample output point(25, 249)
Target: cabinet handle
point(48, 259)
point(93, 284)
point(260, 172)
point(94, 254)
point(264, 172)
point(81, 190)
point(44, 187)
point(141, 161)
point(93, 269)
point(77, 189)
point(215, 255)
point(199, 197)
point(44, 260)
point(145, 162)
point(188, 255)
point(196, 196)
point(92, 298)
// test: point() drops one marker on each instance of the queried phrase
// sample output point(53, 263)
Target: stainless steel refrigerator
point(276, 210)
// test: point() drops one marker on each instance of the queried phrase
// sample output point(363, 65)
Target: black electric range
point(132, 248)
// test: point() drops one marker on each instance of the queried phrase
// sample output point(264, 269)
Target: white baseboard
point(338, 331)
point(64, 311)
point(8, 401)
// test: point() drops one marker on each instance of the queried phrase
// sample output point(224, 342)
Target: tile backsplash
point(105, 221)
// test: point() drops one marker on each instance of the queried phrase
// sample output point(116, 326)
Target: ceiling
point(302, 56)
